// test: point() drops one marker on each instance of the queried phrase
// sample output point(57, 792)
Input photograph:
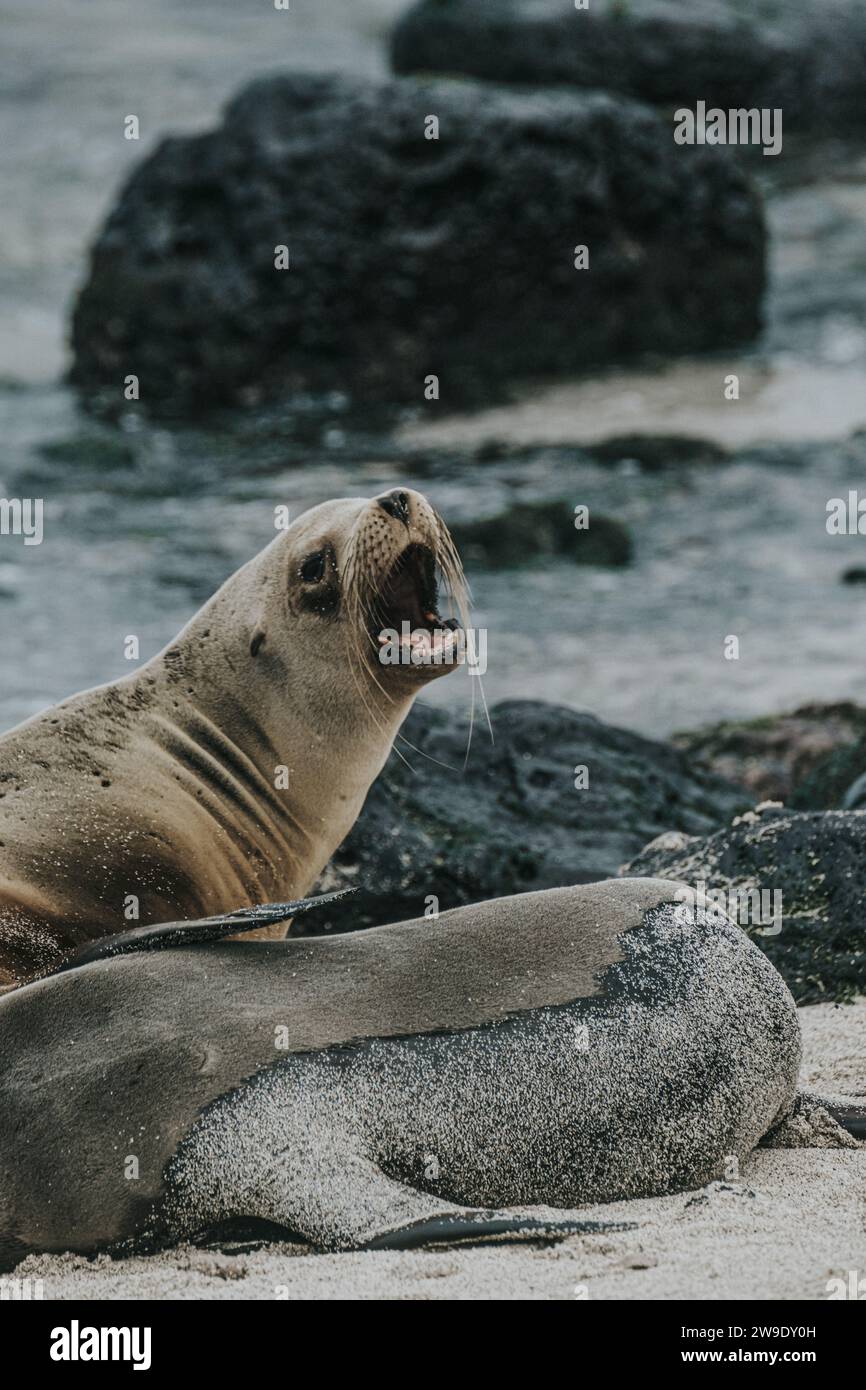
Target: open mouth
point(407, 606)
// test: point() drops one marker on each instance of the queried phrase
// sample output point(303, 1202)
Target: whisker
point(471, 727)
point(428, 756)
point(353, 605)
point(366, 612)
point(484, 707)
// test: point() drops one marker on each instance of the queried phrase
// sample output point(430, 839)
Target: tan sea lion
point(225, 771)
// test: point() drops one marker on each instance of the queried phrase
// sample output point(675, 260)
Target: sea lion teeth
point(234, 762)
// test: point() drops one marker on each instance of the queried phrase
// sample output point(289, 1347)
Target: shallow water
point(142, 523)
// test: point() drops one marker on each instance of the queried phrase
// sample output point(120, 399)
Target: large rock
point(806, 56)
point(408, 256)
point(816, 861)
point(530, 531)
point(838, 780)
point(787, 757)
point(513, 820)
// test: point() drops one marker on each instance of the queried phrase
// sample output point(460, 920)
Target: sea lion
point(224, 772)
point(407, 1083)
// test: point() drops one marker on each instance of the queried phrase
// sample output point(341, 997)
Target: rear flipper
point(850, 1117)
point(163, 936)
point(819, 1122)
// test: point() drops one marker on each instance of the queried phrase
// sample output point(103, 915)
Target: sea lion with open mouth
point(224, 772)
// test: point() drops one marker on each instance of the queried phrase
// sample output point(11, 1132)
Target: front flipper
point(352, 1205)
point(355, 1206)
point(282, 1150)
point(162, 936)
point(468, 1226)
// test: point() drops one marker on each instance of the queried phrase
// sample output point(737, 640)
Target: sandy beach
point(794, 1220)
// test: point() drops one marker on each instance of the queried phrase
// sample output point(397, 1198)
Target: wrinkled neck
point(300, 752)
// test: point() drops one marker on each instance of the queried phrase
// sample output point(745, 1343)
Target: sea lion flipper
point(818, 1121)
point(851, 1117)
point(472, 1226)
point(386, 1214)
point(284, 1148)
point(161, 936)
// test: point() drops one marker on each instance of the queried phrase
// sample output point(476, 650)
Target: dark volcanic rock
point(655, 452)
point(410, 257)
point(776, 755)
point(529, 531)
point(855, 796)
point(836, 781)
point(805, 56)
point(513, 822)
point(816, 861)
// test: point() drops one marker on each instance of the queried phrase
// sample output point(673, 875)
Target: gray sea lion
point(406, 1083)
point(224, 772)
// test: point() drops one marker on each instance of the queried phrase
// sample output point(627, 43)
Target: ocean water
point(142, 522)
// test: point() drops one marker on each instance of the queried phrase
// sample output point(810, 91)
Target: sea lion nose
point(396, 504)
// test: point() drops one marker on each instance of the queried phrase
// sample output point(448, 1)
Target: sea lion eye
point(313, 568)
